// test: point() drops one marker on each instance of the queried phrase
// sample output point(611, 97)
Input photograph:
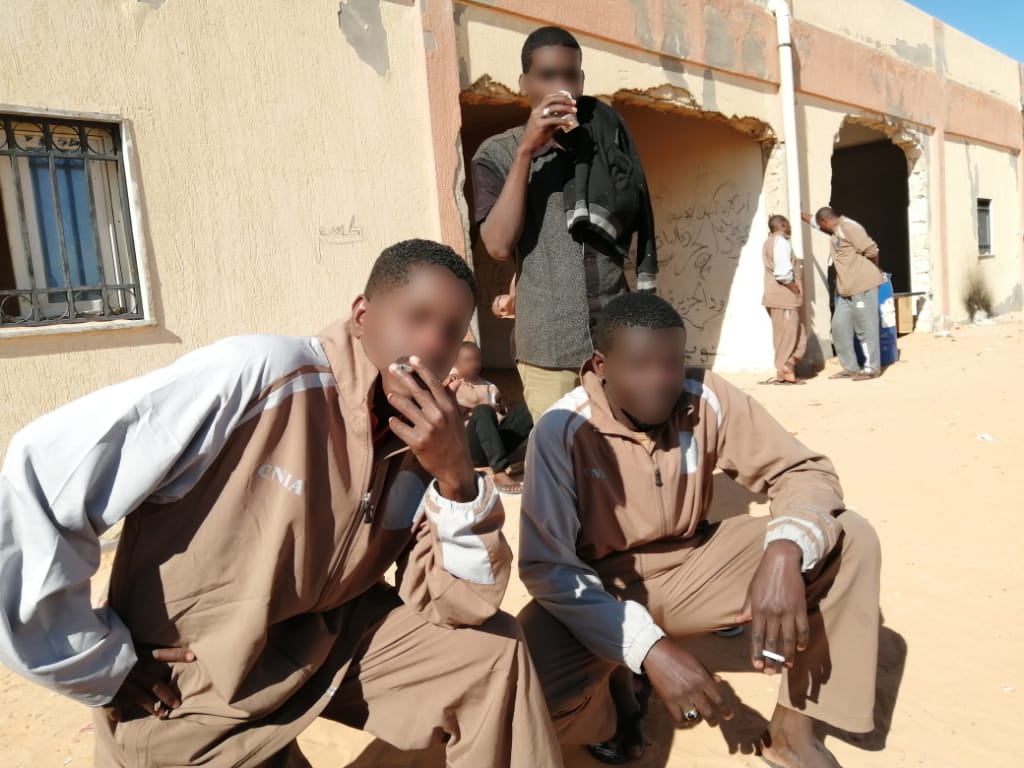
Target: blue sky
point(997, 23)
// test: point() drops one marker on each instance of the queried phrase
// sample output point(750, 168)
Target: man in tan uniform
point(616, 549)
point(784, 299)
point(266, 484)
point(855, 257)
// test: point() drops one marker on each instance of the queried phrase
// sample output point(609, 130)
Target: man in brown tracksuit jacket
point(855, 257)
point(267, 483)
point(617, 552)
point(784, 299)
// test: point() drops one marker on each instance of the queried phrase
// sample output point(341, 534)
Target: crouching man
point(621, 561)
point(266, 484)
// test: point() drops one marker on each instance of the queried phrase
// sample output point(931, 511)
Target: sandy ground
point(911, 449)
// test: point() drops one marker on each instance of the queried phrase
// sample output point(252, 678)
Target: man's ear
point(598, 362)
point(359, 308)
point(522, 87)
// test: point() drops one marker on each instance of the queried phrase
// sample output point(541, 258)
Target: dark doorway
point(481, 119)
point(869, 184)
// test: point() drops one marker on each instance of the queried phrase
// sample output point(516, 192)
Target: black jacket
point(608, 194)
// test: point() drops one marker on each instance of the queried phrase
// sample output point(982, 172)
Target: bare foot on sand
point(505, 483)
point(791, 743)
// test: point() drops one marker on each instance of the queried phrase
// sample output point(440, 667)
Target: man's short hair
point(542, 38)
point(634, 310)
point(775, 222)
point(396, 262)
point(825, 214)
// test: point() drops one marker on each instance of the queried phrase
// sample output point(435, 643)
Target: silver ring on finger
point(546, 112)
point(691, 715)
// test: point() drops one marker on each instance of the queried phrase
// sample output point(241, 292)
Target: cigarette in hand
point(772, 656)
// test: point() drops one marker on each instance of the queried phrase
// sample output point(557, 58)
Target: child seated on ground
point(494, 430)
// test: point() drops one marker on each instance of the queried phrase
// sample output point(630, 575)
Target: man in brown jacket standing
point(784, 299)
point(618, 553)
point(266, 484)
point(855, 257)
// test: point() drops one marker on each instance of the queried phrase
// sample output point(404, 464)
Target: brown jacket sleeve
point(758, 453)
point(458, 567)
point(861, 240)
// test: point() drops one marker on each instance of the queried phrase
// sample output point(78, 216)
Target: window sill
point(986, 256)
point(14, 332)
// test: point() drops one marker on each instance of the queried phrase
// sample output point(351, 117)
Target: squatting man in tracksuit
point(266, 484)
point(618, 554)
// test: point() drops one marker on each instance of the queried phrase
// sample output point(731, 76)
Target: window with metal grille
point(66, 248)
point(984, 227)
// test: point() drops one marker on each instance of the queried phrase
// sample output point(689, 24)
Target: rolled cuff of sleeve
point(465, 554)
point(96, 675)
point(641, 646)
point(803, 533)
point(784, 279)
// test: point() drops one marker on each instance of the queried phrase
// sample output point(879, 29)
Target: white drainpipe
point(787, 93)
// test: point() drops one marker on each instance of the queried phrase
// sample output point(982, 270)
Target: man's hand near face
point(432, 426)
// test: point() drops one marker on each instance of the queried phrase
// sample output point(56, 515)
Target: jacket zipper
point(366, 507)
point(658, 485)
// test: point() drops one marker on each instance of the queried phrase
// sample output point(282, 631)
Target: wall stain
point(918, 55)
point(363, 26)
point(721, 49)
point(642, 28)
point(941, 63)
point(754, 56)
point(676, 42)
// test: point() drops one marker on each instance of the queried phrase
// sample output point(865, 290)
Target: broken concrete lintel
point(671, 98)
point(489, 91)
point(900, 134)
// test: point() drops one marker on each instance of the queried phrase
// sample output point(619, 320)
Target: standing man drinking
point(784, 299)
point(563, 195)
point(855, 257)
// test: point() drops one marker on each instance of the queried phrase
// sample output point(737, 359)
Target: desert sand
point(931, 454)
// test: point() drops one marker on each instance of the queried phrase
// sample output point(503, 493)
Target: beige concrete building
point(175, 171)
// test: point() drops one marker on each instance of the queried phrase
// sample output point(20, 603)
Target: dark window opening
point(984, 227)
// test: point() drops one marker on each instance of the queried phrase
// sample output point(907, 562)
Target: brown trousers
point(699, 585)
point(790, 337)
point(410, 683)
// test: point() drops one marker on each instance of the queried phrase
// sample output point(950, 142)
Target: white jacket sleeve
point(72, 474)
point(782, 255)
point(620, 631)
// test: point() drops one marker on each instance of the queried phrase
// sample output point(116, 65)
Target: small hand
point(434, 429)
point(148, 686)
point(503, 306)
point(776, 607)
